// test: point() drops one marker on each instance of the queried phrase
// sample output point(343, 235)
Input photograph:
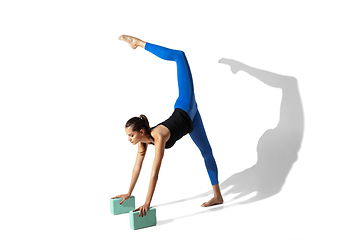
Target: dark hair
point(139, 123)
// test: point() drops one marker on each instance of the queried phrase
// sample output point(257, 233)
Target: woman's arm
point(159, 154)
point(136, 172)
point(137, 167)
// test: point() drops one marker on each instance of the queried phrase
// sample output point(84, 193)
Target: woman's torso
point(178, 124)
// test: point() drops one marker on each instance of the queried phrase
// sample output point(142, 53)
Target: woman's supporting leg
point(186, 100)
point(198, 135)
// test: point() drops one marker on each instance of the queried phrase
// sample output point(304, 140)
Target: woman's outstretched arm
point(136, 172)
point(137, 167)
point(159, 154)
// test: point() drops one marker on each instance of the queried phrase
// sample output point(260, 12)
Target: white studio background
point(67, 87)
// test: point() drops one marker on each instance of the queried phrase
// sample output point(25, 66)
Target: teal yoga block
point(125, 207)
point(137, 222)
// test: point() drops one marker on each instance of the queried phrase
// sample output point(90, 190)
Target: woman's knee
point(179, 54)
point(206, 152)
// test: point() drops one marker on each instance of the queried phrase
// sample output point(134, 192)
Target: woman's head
point(136, 128)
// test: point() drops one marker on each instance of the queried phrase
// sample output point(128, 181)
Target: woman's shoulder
point(160, 131)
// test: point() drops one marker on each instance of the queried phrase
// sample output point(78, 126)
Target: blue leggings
point(186, 101)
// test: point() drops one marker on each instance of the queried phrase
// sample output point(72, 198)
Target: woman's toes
point(130, 40)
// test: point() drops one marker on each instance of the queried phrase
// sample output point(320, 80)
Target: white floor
point(286, 151)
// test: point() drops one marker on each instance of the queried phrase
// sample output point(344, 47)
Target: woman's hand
point(123, 196)
point(143, 209)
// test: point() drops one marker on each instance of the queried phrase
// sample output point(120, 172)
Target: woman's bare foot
point(132, 41)
point(212, 202)
point(217, 199)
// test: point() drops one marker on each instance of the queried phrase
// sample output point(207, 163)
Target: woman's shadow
point(277, 148)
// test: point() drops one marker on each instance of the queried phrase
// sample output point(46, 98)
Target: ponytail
point(139, 123)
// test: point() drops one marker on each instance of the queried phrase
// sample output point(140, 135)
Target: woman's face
point(133, 137)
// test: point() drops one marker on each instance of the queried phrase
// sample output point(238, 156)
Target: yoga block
point(125, 207)
point(137, 222)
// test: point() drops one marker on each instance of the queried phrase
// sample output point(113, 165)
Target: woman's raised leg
point(186, 100)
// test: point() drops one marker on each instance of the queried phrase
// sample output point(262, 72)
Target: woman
point(185, 119)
